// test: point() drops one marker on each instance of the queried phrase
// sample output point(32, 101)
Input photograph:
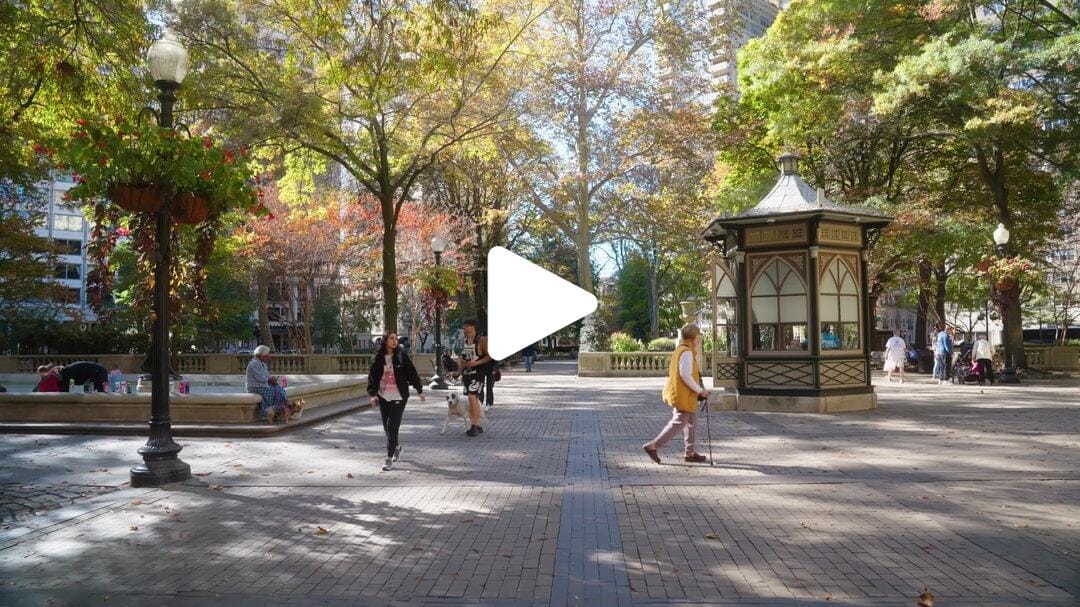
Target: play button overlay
point(527, 303)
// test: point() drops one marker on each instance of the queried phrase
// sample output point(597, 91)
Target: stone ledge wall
point(184, 408)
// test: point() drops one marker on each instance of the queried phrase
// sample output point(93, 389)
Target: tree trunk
point(480, 280)
point(991, 164)
point(262, 288)
point(389, 265)
point(309, 314)
point(921, 337)
point(651, 289)
point(940, 278)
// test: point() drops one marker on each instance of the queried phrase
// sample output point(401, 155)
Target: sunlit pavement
point(971, 492)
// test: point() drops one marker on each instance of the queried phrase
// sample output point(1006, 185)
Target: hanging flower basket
point(136, 198)
point(190, 209)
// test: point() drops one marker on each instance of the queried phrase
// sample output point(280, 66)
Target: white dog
point(457, 405)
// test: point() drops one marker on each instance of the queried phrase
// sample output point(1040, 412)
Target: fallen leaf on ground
point(320, 531)
point(135, 502)
point(712, 536)
point(134, 527)
point(215, 487)
point(203, 473)
point(349, 475)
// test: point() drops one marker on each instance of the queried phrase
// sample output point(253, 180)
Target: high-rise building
point(722, 27)
point(737, 22)
point(65, 225)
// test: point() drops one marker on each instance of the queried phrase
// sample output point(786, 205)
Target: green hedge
point(621, 342)
point(662, 344)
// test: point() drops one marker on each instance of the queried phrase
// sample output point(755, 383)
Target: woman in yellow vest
point(682, 391)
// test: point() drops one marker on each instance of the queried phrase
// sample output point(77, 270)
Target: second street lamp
point(438, 245)
point(161, 462)
point(1008, 371)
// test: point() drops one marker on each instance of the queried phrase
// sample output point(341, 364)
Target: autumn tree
point(382, 89)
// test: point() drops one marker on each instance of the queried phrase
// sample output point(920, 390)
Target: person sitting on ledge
point(259, 381)
point(50, 379)
point(84, 372)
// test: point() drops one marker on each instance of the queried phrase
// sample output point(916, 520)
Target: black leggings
point(391, 412)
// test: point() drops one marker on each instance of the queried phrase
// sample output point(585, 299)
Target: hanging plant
point(439, 284)
point(135, 165)
point(1006, 272)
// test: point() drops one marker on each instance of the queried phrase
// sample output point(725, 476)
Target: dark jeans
point(391, 412)
point(986, 371)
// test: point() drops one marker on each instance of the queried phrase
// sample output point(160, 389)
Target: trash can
point(926, 361)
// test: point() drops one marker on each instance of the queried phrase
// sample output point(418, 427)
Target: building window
point(71, 271)
point(778, 306)
point(69, 223)
point(838, 306)
point(69, 247)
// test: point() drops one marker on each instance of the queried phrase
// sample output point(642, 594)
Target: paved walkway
point(972, 492)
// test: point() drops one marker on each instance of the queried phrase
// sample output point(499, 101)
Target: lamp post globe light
point(1008, 372)
point(168, 62)
point(438, 245)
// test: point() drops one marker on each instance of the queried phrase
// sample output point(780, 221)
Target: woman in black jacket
point(392, 372)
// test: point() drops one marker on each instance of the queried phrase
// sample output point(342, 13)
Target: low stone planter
point(184, 408)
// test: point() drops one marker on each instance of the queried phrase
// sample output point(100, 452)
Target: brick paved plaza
point(972, 492)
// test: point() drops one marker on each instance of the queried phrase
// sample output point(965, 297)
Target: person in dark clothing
point(392, 372)
point(528, 356)
point(83, 372)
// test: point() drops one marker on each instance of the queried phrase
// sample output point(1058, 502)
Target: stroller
point(965, 370)
point(451, 372)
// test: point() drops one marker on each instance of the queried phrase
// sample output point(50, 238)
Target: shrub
point(662, 344)
point(621, 342)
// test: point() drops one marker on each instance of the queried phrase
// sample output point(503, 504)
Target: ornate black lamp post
point(438, 245)
point(1008, 371)
point(161, 465)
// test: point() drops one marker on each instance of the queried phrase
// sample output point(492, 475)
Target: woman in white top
point(984, 355)
point(392, 372)
point(895, 355)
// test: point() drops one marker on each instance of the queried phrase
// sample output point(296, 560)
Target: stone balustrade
point(647, 364)
point(1053, 358)
point(221, 364)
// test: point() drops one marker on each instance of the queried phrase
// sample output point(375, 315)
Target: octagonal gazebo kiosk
point(791, 283)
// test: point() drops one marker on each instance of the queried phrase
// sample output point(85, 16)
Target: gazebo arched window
point(838, 307)
point(724, 298)
point(778, 307)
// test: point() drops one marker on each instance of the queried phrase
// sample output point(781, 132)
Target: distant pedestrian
point(391, 374)
point(984, 356)
point(49, 379)
point(82, 373)
point(895, 355)
point(528, 355)
point(475, 366)
point(681, 392)
point(943, 347)
point(115, 377)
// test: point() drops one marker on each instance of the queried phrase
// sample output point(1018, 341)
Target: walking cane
point(708, 431)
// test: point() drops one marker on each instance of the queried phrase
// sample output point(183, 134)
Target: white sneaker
point(388, 464)
point(397, 453)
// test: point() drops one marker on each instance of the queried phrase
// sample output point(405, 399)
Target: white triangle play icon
point(527, 303)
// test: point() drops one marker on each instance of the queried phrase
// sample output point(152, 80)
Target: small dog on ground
point(457, 405)
point(294, 409)
point(926, 599)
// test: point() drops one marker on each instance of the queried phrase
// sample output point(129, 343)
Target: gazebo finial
point(789, 163)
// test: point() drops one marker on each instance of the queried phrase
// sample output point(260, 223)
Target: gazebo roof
point(793, 198)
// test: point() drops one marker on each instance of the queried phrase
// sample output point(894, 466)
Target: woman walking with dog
point(681, 392)
point(392, 372)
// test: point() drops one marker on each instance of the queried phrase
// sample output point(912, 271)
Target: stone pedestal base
point(807, 404)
